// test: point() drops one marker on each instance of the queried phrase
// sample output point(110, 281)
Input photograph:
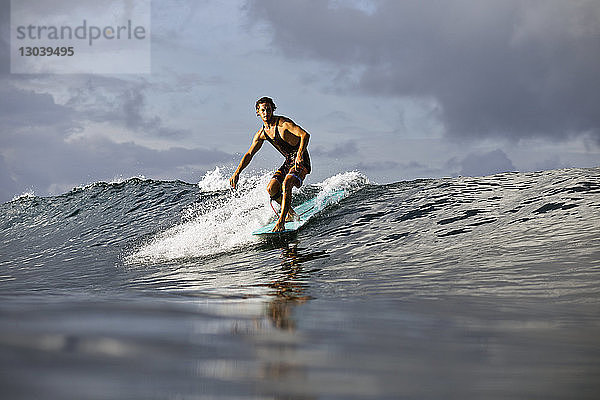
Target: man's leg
point(288, 183)
point(274, 187)
point(294, 178)
point(275, 192)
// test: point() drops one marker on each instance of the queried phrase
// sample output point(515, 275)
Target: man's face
point(264, 111)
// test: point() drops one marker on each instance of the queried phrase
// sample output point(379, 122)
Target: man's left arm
point(304, 137)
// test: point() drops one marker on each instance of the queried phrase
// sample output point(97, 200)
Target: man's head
point(264, 108)
point(266, 100)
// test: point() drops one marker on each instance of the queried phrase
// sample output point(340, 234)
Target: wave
point(426, 236)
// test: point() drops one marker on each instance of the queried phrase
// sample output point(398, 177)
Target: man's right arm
point(254, 147)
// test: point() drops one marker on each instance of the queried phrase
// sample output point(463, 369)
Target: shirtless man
point(291, 141)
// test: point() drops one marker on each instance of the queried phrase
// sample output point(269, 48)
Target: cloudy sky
point(396, 89)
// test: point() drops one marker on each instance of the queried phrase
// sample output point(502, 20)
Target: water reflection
point(281, 370)
point(290, 289)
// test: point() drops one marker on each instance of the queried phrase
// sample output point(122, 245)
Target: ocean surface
point(457, 288)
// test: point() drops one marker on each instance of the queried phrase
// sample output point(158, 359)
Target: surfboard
point(306, 211)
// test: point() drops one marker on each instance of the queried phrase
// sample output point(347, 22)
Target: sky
point(397, 90)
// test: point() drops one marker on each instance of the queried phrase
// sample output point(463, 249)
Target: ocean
point(455, 288)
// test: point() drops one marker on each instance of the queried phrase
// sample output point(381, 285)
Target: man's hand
point(234, 180)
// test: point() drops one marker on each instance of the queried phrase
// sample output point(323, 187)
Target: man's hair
point(266, 100)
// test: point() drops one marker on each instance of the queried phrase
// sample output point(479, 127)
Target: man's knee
point(289, 182)
point(274, 189)
point(274, 186)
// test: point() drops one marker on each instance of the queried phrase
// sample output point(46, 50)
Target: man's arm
point(302, 134)
point(254, 147)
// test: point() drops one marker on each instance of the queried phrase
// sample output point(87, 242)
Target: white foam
point(213, 181)
point(216, 227)
point(349, 181)
point(27, 195)
point(117, 180)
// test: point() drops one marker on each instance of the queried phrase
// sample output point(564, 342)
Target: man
point(291, 141)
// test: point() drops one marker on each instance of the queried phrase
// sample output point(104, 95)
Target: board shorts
point(288, 168)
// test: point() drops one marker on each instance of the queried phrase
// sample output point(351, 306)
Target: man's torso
point(284, 141)
point(277, 131)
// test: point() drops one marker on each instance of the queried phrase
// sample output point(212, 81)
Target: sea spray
point(348, 181)
point(215, 225)
point(213, 181)
point(226, 221)
point(26, 195)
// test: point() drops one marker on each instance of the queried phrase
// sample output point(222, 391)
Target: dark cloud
point(118, 101)
point(44, 162)
point(42, 147)
point(43, 144)
point(482, 164)
point(507, 68)
point(25, 108)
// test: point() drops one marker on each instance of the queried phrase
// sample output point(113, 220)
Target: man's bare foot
point(291, 216)
point(279, 226)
